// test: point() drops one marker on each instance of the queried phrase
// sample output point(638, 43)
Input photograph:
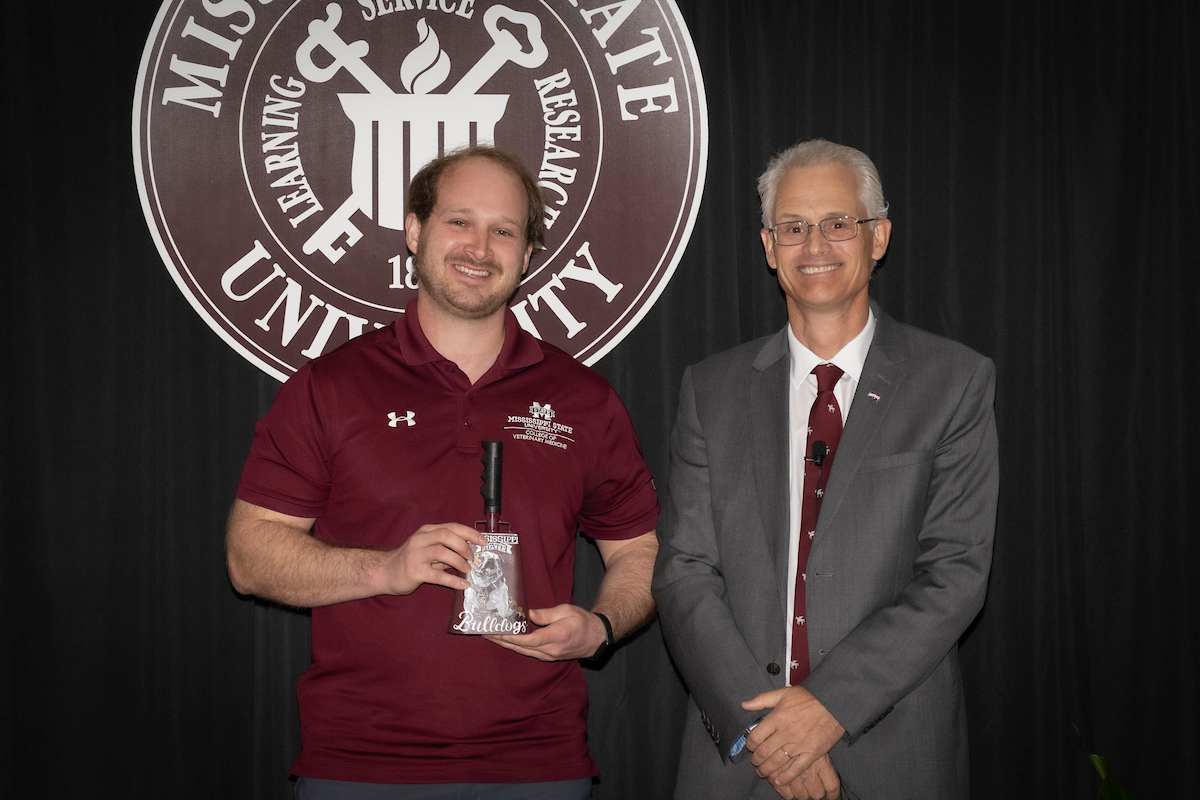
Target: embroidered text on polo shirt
point(540, 426)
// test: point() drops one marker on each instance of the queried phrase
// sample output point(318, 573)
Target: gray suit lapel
point(883, 373)
point(769, 448)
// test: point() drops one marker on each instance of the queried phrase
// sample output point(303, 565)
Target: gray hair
point(819, 153)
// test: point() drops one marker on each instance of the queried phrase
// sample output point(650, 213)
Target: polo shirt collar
point(520, 349)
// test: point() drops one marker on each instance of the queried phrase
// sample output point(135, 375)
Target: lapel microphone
point(819, 451)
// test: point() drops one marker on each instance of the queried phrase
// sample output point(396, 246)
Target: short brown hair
point(423, 190)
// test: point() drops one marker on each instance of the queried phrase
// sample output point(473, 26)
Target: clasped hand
point(790, 746)
point(819, 782)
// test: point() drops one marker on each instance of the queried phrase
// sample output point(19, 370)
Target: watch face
point(274, 144)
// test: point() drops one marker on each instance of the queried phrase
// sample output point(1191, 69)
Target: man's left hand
point(818, 782)
point(568, 632)
point(795, 734)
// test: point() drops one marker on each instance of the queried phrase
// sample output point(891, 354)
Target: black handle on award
point(495, 600)
point(493, 479)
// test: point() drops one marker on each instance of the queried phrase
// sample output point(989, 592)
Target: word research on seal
point(274, 141)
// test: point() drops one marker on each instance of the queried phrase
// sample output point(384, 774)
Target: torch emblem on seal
point(395, 134)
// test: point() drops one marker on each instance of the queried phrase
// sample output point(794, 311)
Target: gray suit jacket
point(898, 568)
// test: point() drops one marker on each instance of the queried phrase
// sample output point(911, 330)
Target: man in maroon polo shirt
point(359, 494)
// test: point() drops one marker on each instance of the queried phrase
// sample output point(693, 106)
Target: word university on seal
point(274, 141)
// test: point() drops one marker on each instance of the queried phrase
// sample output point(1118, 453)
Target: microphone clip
point(819, 451)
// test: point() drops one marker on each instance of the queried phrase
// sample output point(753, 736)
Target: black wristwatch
point(608, 639)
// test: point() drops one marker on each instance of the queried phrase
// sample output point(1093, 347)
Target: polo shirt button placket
point(466, 442)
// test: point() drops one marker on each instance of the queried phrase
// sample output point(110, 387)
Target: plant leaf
point(1109, 788)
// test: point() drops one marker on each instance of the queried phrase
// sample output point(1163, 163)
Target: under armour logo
point(539, 411)
point(394, 419)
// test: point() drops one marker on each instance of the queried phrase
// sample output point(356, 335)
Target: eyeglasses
point(834, 229)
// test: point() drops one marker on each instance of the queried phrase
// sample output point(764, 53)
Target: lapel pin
point(873, 397)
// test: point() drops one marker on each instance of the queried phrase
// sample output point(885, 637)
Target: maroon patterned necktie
point(824, 430)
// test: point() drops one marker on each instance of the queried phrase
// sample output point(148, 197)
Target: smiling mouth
point(473, 272)
point(817, 270)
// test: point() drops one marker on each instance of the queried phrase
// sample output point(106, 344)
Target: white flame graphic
point(424, 69)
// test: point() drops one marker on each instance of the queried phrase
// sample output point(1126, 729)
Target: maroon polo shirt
point(383, 436)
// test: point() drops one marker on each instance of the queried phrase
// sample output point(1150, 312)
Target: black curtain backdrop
point(1042, 170)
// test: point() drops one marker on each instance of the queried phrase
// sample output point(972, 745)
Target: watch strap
point(608, 636)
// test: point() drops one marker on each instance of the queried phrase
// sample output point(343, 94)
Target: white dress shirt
point(802, 392)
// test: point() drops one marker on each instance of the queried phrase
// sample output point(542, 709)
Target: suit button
point(773, 668)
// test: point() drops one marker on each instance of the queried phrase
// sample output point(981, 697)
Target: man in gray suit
point(896, 562)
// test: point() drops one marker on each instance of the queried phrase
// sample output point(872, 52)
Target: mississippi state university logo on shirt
point(539, 426)
point(274, 142)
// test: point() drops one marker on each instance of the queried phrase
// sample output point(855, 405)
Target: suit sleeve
point(698, 624)
point(893, 649)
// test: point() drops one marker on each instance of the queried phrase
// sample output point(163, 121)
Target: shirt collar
point(520, 349)
point(850, 358)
